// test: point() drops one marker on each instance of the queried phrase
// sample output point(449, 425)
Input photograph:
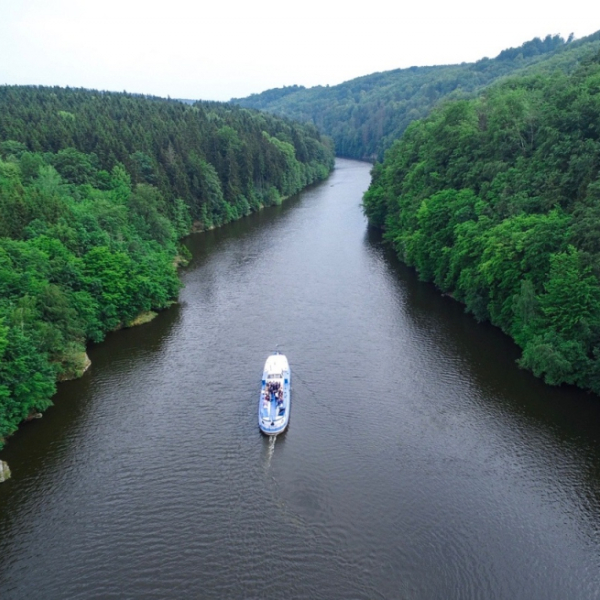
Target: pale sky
point(216, 51)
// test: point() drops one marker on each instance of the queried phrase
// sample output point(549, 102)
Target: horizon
point(188, 52)
point(301, 86)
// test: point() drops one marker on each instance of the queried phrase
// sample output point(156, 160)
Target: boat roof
point(276, 363)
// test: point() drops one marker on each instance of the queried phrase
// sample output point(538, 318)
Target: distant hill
point(365, 115)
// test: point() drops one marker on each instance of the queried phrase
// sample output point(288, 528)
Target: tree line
point(96, 190)
point(497, 201)
point(364, 116)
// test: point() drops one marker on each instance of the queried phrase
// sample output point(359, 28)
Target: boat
point(275, 395)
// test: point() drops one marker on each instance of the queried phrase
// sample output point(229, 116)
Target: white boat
point(275, 395)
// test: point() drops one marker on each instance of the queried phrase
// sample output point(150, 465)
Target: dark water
point(420, 462)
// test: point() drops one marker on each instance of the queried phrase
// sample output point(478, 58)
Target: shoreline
point(80, 361)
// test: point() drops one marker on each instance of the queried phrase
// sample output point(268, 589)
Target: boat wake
point(270, 450)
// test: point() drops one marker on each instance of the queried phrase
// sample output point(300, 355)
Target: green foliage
point(534, 47)
point(96, 190)
point(497, 201)
point(571, 302)
point(75, 167)
point(215, 157)
point(366, 115)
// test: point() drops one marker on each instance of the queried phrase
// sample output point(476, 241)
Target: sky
point(233, 48)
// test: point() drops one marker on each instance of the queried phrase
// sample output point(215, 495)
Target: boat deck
point(274, 406)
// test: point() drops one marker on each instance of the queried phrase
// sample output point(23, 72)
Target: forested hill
point(364, 116)
point(96, 189)
point(497, 201)
point(185, 151)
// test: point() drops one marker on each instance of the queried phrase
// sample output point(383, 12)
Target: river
point(420, 461)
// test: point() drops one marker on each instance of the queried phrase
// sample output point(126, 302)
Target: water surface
point(420, 462)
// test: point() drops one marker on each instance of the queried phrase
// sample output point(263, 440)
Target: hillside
point(96, 189)
point(365, 115)
point(497, 201)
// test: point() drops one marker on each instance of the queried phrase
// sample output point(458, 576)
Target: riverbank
point(507, 228)
point(4, 472)
point(74, 361)
point(92, 211)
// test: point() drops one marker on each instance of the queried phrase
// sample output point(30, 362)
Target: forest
point(489, 187)
point(496, 200)
point(96, 191)
point(366, 115)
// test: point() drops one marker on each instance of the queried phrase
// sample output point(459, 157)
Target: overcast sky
point(232, 48)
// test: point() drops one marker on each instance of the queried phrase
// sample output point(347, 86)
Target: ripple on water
point(419, 461)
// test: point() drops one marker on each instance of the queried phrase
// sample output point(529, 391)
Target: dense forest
point(494, 196)
point(497, 201)
point(96, 190)
point(366, 115)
